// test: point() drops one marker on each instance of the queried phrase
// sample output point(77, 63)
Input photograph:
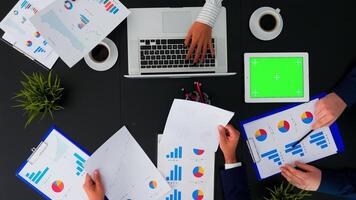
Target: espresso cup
point(103, 56)
point(100, 53)
point(266, 23)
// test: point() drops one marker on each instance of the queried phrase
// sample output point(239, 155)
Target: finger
point(293, 179)
point(318, 123)
point(295, 172)
point(198, 51)
point(211, 47)
point(97, 179)
point(205, 49)
point(191, 49)
point(305, 167)
point(188, 38)
point(319, 107)
point(232, 131)
point(325, 120)
point(88, 183)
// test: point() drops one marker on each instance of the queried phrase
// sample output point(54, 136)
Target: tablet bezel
point(248, 98)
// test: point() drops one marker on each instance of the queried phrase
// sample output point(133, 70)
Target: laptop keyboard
point(169, 53)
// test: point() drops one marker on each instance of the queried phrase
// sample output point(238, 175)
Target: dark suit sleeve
point(235, 184)
point(347, 88)
point(339, 183)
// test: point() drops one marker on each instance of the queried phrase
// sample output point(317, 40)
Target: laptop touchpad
point(176, 22)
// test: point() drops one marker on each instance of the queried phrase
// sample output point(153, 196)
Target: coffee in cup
point(100, 53)
point(268, 22)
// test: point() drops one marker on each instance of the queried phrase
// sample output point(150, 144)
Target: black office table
point(98, 103)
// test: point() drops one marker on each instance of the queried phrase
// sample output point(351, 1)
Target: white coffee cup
point(106, 62)
point(262, 33)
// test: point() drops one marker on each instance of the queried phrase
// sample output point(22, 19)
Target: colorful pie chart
point(198, 172)
point(198, 152)
point(57, 186)
point(307, 117)
point(37, 34)
point(283, 126)
point(153, 184)
point(28, 43)
point(198, 195)
point(261, 135)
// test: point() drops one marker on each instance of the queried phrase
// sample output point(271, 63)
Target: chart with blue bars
point(297, 150)
point(273, 155)
point(36, 177)
point(39, 50)
point(318, 139)
point(176, 154)
point(175, 195)
point(80, 163)
point(175, 174)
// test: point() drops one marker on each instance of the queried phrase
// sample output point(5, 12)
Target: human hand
point(327, 110)
point(229, 138)
point(94, 188)
point(308, 179)
point(199, 37)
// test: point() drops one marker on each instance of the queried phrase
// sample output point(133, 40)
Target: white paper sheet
point(74, 28)
point(194, 124)
point(57, 169)
point(189, 171)
point(24, 36)
point(126, 170)
point(273, 147)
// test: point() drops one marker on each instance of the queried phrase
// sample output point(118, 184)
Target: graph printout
point(189, 171)
point(56, 169)
point(271, 139)
point(73, 28)
point(20, 32)
point(127, 172)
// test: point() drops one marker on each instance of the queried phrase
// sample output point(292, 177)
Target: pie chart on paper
point(198, 172)
point(307, 117)
point(198, 195)
point(57, 186)
point(283, 126)
point(261, 135)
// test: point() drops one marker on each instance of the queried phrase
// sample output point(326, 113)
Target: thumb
point(97, 179)
point(222, 133)
point(305, 167)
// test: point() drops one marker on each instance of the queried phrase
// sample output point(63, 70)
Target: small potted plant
point(40, 96)
point(286, 192)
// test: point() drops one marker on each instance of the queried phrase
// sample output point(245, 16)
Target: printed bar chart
point(177, 153)
point(176, 195)
point(109, 6)
point(297, 150)
point(80, 162)
point(38, 176)
point(319, 139)
point(83, 21)
point(175, 174)
point(272, 155)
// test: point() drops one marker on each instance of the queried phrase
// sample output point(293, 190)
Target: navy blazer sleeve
point(234, 184)
point(339, 183)
point(346, 90)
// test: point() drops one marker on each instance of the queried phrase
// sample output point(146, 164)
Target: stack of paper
point(71, 29)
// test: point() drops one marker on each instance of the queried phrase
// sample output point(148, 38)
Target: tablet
point(276, 77)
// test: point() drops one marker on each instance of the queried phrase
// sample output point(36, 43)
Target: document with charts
point(73, 28)
point(271, 139)
point(22, 35)
point(127, 172)
point(189, 171)
point(56, 168)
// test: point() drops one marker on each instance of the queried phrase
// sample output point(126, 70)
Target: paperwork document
point(73, 28)
point(55, 169)
point(194, 124)
point(270, 139)
point(22, 35)
point(189, 171)
point(126, 170)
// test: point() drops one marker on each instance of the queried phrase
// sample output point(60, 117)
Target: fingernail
point(96, 172)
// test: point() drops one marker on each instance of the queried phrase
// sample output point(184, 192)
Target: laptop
point(156, 44)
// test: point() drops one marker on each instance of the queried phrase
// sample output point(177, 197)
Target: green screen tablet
point(276, 77)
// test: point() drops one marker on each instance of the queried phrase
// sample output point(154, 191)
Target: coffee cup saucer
point(109, 62)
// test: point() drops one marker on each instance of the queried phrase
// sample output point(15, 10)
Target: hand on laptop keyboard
point(199, 39)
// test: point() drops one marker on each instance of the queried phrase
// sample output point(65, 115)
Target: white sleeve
point(233, 165)
point(210, 12)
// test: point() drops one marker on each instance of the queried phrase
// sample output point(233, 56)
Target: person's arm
point(338, 183)
point(233, 177)
point(329, 108)
point(347, 88)
point(199, 37)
